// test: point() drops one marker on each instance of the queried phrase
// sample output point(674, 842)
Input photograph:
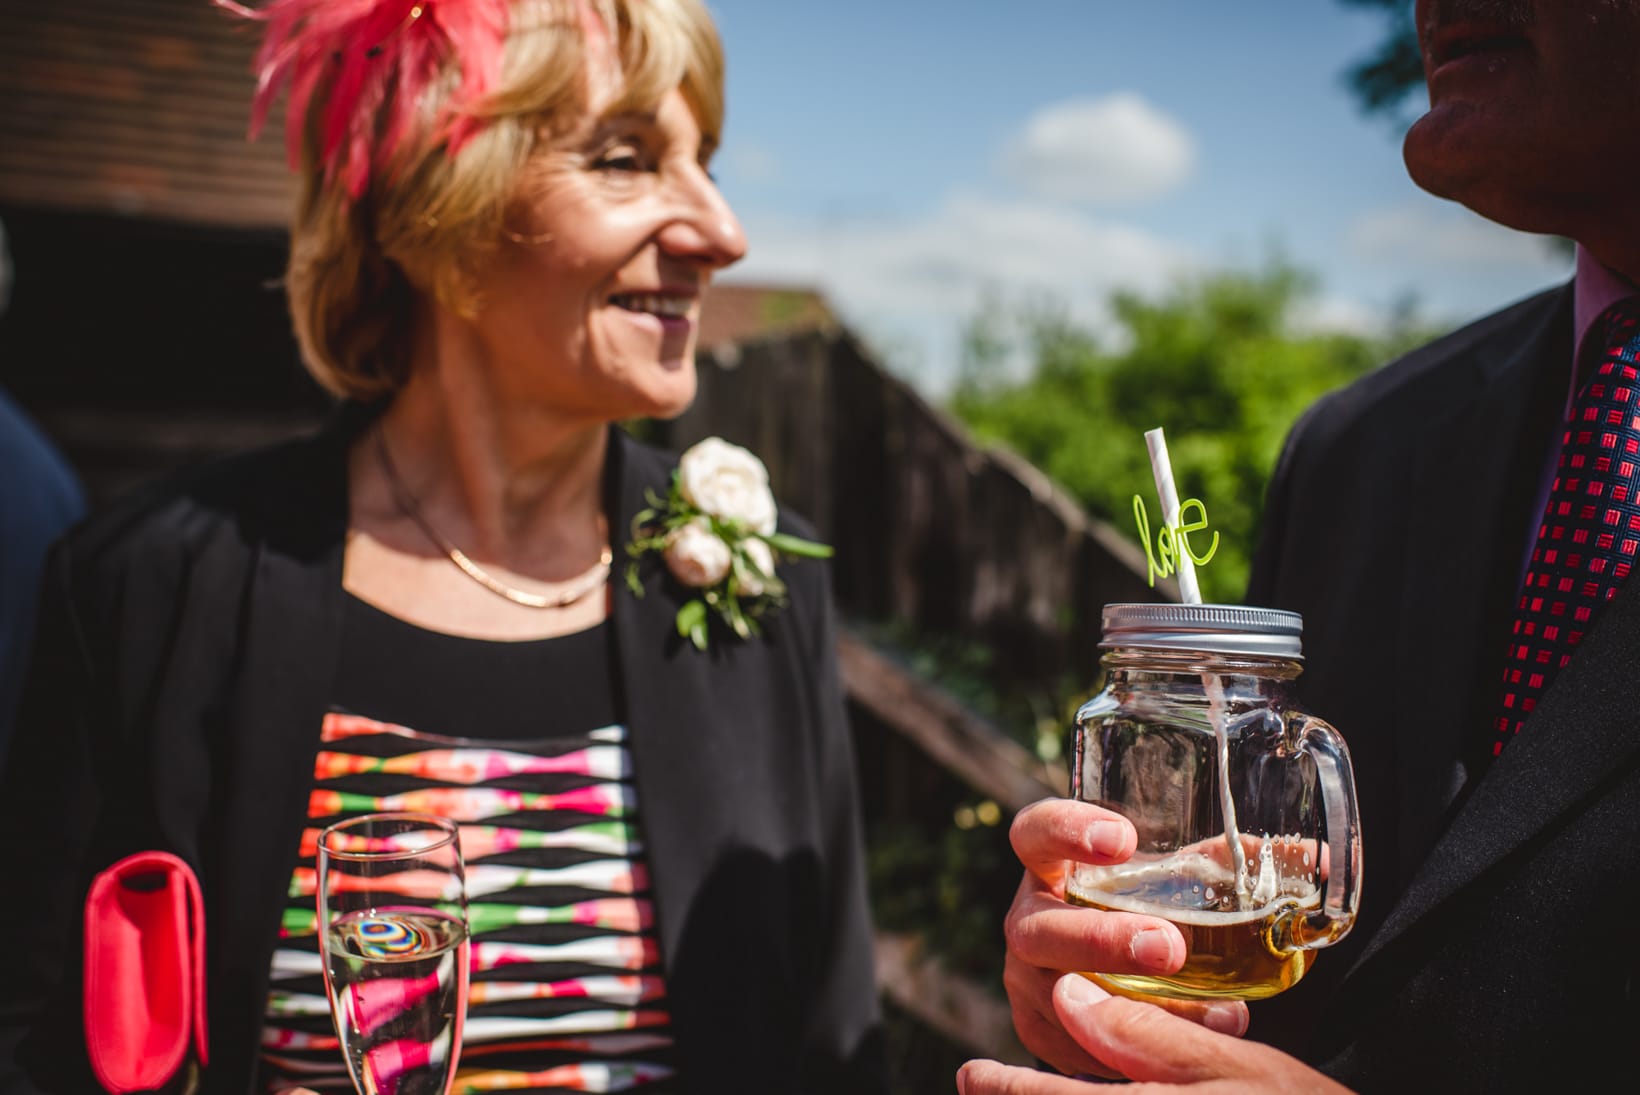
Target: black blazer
point(187, 645)
point(1489, 955)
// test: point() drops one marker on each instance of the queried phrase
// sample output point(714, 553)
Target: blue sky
point(909, 158)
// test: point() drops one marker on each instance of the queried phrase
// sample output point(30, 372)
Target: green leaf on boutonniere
point(792, 545)
point(691, 623)
point(736, 617)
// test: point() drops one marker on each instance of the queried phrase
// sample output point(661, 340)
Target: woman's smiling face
point(592, 305)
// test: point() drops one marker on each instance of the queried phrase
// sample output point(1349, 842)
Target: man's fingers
point(1223, 1016)
point(991, 1078)
point(1045, 932)
point(1144, 1042)
point(1047, 833)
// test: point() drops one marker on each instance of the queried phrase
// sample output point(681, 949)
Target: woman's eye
point(619, 159)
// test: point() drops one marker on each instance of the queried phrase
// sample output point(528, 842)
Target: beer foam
point(1179, 914)
point(1176, 889)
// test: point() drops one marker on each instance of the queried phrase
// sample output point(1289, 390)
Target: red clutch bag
point(144, 971)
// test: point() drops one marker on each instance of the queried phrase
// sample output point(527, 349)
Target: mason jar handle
point(1342, 896)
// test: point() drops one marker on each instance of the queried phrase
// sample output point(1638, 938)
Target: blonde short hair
point(430, 220)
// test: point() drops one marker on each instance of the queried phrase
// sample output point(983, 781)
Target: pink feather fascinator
point(367, 54)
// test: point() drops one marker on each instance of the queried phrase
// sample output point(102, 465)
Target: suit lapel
point(1472, 494)
point(720, 757)
point(665, 689)
point(1488, 468)
point(291, 645)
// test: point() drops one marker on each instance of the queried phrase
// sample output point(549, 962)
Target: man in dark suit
point(1456, 530)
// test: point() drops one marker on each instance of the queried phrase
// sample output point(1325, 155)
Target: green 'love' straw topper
point(1171, 550)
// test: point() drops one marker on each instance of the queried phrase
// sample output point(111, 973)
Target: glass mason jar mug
point(1249, 836)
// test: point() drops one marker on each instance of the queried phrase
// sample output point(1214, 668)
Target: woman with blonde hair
point(505, 229)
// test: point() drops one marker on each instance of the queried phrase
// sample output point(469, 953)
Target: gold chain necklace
point(411, 508)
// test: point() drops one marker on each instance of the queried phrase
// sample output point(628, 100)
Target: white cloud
point(1450, 237)
point(1114, 150)
point(911, 284)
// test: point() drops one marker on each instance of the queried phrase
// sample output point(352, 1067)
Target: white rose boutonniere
point(715, 531)
point(727, 482)
point(696, 555)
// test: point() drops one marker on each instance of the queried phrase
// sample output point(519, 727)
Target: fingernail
point(1107, 838)
point(1081, 991)
point(1226, 1019)
point(1153, 947)
point(962, 1080)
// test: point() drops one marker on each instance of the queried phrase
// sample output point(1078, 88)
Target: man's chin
point(1503, 195)
point(1460, 152)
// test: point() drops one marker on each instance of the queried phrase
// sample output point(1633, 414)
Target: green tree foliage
point(1218, 362)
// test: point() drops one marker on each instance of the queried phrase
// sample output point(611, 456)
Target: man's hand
point(1046, 936)
point(1146, 1044)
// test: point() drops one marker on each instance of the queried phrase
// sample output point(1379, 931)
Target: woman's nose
point(706, 229)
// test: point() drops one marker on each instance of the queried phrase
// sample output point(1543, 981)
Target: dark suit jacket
point(187, 646)
point(1489, 954)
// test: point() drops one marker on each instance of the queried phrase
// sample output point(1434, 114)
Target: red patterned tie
point(1591, 526)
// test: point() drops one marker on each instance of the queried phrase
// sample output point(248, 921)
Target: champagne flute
point(393, 936)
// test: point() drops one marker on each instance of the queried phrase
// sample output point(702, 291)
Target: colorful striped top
point(567, 987)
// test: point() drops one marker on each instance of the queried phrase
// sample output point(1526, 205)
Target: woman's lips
point(673, 312)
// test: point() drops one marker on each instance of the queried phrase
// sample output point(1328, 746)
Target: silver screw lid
point(1216, 629)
